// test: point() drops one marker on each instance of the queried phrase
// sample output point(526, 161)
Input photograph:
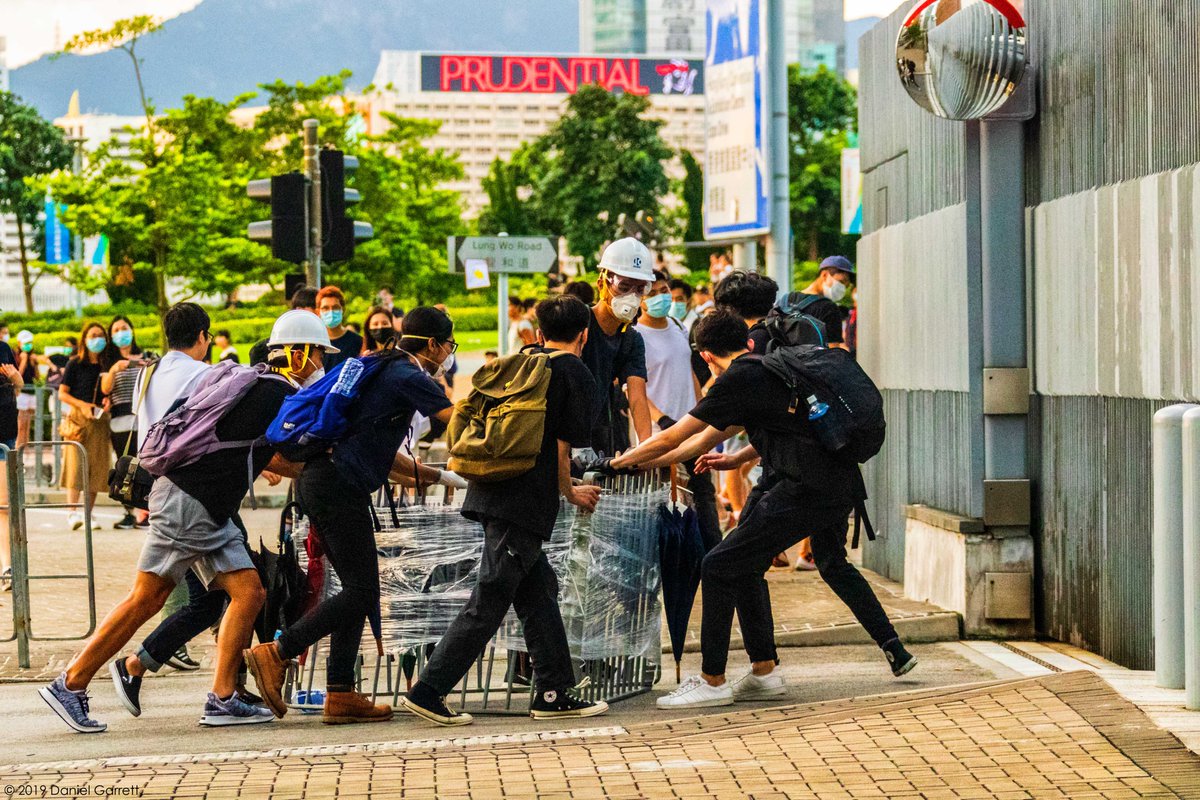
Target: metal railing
point(18, 532)
point(46, 418)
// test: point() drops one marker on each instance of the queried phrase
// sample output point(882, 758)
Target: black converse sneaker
point(900, 660)
point(424, 701)
point(556, 703)
point(128, 687)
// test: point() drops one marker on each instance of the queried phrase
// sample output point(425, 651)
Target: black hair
point(184, 322)
point(304, 297)
point(223, 332)
point(684, 286)
point(749, 294)
point(563, 318)
point(582, 290)
point(661, 275)
point(528, 303)
point(425, 322)
point(513, 300)
point(722, 333)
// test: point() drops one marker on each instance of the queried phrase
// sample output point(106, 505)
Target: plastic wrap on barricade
point(606, 563)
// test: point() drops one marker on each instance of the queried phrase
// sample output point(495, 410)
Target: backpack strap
point(798, 305)
point(861, 520)
point(147, 374)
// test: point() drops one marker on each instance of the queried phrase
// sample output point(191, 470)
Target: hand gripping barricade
point(609, 580)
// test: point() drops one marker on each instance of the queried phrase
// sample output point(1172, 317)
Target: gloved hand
point(451, 479)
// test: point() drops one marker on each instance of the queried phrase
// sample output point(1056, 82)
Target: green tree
point(602, 158)
point(400, 181)
point(822, 112)
point(691, 194)
point(29, 147)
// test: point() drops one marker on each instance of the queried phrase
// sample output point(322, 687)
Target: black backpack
point(789, 324)
point(835, 378)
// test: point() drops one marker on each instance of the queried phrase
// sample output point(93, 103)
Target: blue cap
point(840, 263)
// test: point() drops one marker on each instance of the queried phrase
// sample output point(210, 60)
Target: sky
point(29, 25)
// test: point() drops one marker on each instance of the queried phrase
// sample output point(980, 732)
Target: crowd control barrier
point(18, 532)
point(609, 581)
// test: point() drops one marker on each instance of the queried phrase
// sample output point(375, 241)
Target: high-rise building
point(490, 104)
point(814, 35)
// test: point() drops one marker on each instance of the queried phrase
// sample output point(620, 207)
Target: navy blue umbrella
point(680, 551)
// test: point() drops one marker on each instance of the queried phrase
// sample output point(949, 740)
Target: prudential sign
point(736, 182)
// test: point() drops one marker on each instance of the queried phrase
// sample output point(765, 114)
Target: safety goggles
point(622, 286)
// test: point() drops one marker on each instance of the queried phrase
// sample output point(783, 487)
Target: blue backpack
point(320, 414)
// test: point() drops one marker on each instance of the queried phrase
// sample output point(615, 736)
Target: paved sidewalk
point(1060, 736)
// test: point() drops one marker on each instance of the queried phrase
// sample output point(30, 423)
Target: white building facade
point(490, 104)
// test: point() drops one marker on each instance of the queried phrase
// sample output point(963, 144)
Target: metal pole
point(1167, 546)
point(502, 311)
point(19, 549)
point(1191, 556)
point(779, 257)
point(312, 170)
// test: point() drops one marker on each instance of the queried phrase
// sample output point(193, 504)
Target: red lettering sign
point(538, 74)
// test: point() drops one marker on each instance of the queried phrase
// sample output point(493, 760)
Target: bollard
point(1168, 546)
point(1191, 556)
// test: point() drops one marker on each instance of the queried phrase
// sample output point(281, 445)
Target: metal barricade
point(47, 415)
point(18, 531)
point(612, 622)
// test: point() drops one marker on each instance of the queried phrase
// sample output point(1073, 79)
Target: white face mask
point(316, 376)
point(448, 364)
point(835, 291)
point(626, 307)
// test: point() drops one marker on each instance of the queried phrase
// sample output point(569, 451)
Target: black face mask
point(382, 337)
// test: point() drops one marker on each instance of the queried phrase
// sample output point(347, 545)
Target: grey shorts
point(184, 536)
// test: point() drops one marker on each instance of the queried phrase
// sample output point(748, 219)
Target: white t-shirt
point(515, 329)
point(669, 369)
point(172, 379)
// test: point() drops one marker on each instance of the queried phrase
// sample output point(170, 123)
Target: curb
point(939, 627)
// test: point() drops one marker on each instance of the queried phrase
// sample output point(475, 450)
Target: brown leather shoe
point(269, 671)
point(344, 708)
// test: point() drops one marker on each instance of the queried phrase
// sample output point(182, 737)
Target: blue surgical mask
point(97, 344)
point(123, 338)
point(332, 319)
point(678, 310)
point(658, 305)
point(27, 347)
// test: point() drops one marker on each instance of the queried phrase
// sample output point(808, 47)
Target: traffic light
point(287, 230)
point(339, 231)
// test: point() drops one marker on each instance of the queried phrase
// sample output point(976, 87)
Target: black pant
point(341, 515)
point(775, 517)
point(203, 610)
point(704, 499)
point(512, 572)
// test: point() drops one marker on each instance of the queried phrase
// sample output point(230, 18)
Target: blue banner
point(58, 238)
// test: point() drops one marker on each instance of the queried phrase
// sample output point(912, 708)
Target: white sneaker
point(75, 521)
point(695, 692)
point(751, 687)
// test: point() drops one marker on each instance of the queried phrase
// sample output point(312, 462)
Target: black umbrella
point(284, 580)
point(680, 551)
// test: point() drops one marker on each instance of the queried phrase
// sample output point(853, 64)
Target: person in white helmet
point(615, 353)
point(192, 528)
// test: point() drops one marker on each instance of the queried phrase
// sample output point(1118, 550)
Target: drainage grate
point(1030, 657)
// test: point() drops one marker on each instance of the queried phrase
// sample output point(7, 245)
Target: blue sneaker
point(234, 711)
point(71, 706)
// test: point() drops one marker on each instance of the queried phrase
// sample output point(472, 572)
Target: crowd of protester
point(646, 370)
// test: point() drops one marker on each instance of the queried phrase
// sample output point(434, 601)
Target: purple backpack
point(189, 432)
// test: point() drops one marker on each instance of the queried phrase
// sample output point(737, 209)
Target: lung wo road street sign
point(526, 255)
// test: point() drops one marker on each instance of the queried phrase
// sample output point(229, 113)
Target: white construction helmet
point(628, 258)
point(300, 326)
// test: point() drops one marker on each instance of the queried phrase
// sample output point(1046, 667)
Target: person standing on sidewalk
point(807, 493)
point(335, 489)
point(821, 298)
point(118, 383)
point(331, 307)
point(673, 389)
point(87, 417)
point(191, 530)
point(518, 515)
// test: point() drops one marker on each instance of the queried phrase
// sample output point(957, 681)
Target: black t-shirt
point(82, 380)
point(828, 312)
point(530, 501)
point(618, 357)
point(258, 353)
point(8, 397)
point(759, 338)
point(220, 480)
point(349, 345)
point(380, 420)
point(751, 396)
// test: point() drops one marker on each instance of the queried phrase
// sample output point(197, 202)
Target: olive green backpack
point(496, 432)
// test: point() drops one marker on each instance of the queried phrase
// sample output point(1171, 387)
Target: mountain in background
point(222, 48)
point(855, 28)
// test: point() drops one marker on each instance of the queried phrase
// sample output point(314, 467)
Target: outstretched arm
point(695, 446)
